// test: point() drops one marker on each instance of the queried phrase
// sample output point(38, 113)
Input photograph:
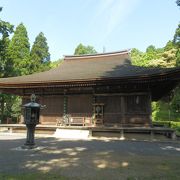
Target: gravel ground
point(91, 159)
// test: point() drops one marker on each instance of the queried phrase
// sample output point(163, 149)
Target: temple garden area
point(94, 158)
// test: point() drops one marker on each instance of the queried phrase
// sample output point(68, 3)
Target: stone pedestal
point(30, 144)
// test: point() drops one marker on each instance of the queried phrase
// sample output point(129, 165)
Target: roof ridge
point(113, 53)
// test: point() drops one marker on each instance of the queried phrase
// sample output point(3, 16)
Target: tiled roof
point(91, 67)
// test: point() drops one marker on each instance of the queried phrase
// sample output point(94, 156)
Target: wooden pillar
point(122, 134)
point(65, 104)
point(173, 135)
point(150, 109)
point(123, 109)
point(2, 107)
point(94, 99)
point(93, 109)
point(152, 135)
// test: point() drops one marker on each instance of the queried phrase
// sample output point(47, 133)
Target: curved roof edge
point(106, 54)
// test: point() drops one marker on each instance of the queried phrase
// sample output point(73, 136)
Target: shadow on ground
point(92, 159)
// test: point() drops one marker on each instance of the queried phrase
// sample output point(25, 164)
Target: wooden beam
point(121, 94)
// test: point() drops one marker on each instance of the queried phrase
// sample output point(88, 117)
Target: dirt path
point(91, 159)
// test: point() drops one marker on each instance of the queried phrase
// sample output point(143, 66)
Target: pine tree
point(4, 63)
point(5, 29)
point(40, 55)
point(9, 105)
point(19, 52)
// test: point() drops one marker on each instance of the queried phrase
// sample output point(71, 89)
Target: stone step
point(72, 133)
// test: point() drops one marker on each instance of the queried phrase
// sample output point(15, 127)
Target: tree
point(176, 42)
point(178, 2)
point(40, 55)
point(81, 49)
point(169, 46)
point(151, 54)
point(4, 63)
point(10, 106)
point(5, 30)
point(150, 49)
point(55, 64)
point(5, 27)
point(144, 58)
point(136, 56)
point(19, 52)
point(176, 39)
point(167, 58)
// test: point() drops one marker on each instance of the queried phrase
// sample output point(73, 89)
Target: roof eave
point(94, 82)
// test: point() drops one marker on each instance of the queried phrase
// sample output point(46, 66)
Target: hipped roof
point(86, 68)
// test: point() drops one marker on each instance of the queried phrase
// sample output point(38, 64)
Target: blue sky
point(113, 24)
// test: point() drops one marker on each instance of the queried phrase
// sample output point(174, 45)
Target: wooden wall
point(79, 105)
point(125, 109)
point(54, 109)
point(112, 108)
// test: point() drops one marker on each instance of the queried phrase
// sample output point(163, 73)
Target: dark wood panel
point(50, 119)
point(112, 108)
point(79, 104)
point(54, 105)
point(137, 119)
point(136, 104)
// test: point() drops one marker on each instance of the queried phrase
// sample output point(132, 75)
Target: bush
point(162, 123)
point(171, 124)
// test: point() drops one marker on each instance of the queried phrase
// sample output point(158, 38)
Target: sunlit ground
point(89, 159)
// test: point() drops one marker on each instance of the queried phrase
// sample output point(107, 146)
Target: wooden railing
point(74, 121)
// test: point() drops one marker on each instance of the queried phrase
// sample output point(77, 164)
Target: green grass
point(32, 176)
point(136, 168)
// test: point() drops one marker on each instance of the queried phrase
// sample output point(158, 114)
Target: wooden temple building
point(96, 90)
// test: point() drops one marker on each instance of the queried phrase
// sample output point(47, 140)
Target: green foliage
point(137, 57)
point(178, 57)
point(81, 49)
point(144, 58)
point(55, 64)
point(40, 56)
point(19, 52)
point(162, 123)
point(175, 103)
point(10, 107)
point(16, 60)
point(176, 41)
point(164, 111)
point(167, 59)
point(169, 46)
point(178, 2)
point(5, 29)
point(4, 63)
point(161, 57)
point(171, 124)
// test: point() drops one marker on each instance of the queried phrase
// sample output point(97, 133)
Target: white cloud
point(112, 13)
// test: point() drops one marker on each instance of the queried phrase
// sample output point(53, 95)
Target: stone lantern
point(31, 119)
